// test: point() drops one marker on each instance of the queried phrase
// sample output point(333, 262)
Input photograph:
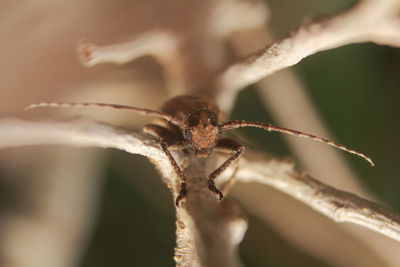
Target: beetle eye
point(193, 121)
point(213, 121)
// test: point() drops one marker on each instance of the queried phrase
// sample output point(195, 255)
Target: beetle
point(192, 122)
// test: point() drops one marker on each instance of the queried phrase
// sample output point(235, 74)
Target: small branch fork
point(200, 214)
point(208, 233)
point(375, 21)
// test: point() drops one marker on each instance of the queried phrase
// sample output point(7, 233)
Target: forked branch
point(207, 233)
point(338, 205)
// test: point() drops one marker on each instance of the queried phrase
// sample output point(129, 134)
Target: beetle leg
point(168, 141)
point(227, 185)
point(224, 145)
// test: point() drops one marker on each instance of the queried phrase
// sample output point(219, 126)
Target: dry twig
point(338, 205)
point(201, 204)
point(369, 21)
point(208, 233)
point(162, 45)
point(296, 112)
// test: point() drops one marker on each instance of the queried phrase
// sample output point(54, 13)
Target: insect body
point(192, 122)
point(197, 129)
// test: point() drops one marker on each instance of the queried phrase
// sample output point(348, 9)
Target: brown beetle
point(192, 121)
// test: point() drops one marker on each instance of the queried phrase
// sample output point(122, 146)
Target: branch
point(200, 204)
point(215, 228)
point(296, 112)
point(162, 45)
point(208, 233)
point(338, 205)
point(370, 20)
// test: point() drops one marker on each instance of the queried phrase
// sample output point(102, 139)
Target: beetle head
point(202, 132)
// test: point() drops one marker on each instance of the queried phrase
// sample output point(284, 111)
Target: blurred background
point(88, 207)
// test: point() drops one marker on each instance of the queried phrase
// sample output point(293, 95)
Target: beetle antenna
point(142, 111)
point(238, 124)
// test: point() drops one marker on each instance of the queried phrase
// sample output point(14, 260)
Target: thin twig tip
point(31, 106)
